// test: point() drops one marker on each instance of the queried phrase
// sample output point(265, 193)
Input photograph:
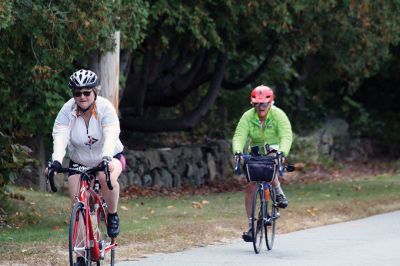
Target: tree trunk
point(107, 68)
point(43, 161)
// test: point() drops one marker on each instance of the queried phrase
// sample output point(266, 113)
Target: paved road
point(370, 241)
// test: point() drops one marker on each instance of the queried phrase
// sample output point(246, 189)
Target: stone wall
point(173, 167)
point(331, 141)
point(195, 165)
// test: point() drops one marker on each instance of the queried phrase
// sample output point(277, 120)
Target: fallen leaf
point(197, 205)
point(299, 166)
point(56, 228)
point(205, 202)
point(124, 208)
point(171, 207)
point(312, 211)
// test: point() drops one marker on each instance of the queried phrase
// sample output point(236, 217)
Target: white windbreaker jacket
point(86, 145)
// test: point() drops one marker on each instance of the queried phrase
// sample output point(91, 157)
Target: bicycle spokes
point(77, 234)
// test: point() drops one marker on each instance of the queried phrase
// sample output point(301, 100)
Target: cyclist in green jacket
point(263, 124)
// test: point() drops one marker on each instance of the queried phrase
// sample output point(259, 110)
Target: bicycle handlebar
point(279, 157)
point(80, 170)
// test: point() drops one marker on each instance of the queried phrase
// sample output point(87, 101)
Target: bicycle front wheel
point(77, 236)
point(272, 215)
point(257, 215)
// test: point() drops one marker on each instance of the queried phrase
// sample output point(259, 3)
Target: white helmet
point(83, 79)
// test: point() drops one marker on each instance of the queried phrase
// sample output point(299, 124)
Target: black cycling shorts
point(119, 156)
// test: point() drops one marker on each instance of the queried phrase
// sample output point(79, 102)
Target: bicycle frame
point(265, 212)
point(91, 242)
point(87, 199)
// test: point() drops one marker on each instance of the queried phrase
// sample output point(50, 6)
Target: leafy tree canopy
point(315, 54)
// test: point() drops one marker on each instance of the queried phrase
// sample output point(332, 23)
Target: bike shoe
point(112, 225)
point(282, 201)
point(80, 261)
point(248, 236)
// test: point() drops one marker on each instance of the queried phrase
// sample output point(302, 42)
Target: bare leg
point(73, 187)
point(276, 182)
point(111, 196)
point(248, 200)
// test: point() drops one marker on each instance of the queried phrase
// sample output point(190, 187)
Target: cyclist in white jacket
point(89, 126)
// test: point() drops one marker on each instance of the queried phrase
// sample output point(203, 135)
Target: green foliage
point(40, 44)
point(133, 21)
point(36, 55)
point(5, 13)
point(360, 117)
point(325, 50)
point(305, 149)
point(12, 157)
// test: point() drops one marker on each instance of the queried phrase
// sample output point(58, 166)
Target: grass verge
point(37, 227)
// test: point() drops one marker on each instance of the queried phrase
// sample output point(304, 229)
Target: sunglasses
point(78, 94)
point(260, 104)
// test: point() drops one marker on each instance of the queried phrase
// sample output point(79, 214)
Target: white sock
point(278, 190)
point(250, 223)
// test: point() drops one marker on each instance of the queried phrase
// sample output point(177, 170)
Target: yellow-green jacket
point(277, 131)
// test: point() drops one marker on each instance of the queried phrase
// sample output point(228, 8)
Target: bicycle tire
point(102, 236)
point(77, 236)
point(270, 223)
point(257, 219)
point(112, 257)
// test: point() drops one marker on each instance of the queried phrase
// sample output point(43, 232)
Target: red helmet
point(262, 94)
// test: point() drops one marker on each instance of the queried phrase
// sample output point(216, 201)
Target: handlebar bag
point(260, 169)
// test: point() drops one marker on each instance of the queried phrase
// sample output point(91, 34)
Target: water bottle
point(266, 191)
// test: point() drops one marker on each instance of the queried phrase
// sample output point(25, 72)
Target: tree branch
point(187, 121)
point(255, 74)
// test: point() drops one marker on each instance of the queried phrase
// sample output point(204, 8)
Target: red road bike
point(88, 237)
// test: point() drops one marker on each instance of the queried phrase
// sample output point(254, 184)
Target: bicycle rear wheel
point(77, 236)
point(257, 215)
point(272, 215)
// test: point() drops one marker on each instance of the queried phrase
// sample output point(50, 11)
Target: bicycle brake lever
point(290, 168)
point(107, 173)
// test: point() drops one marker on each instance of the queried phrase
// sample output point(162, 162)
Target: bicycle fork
point(268, 217)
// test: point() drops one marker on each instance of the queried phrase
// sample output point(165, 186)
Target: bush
point(13, 156)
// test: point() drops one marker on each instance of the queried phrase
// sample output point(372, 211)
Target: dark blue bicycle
point(263, 169)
